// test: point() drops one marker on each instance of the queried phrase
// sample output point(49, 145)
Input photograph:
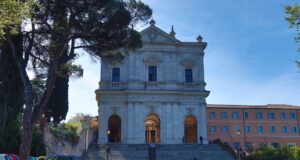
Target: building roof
point(268, 106)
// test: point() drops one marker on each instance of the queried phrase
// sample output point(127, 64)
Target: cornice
point(159, 92)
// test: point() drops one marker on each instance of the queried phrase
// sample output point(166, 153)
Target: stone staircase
point(163, 152)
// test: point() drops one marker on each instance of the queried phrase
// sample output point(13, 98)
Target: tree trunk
point(28, 100)
point(27, 115)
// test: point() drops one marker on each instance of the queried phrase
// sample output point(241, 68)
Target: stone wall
point(59, 146)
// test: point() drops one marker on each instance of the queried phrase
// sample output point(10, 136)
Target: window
point(259, 115)
point(213, 129)
point(271, 116)
point(282, 116)
point(272, 129)
point(224, 129)
point(260, 129)
point(294, 130)
point(235, 128)
point(236, 145)
point(262, 145)
point(284, 129)
point(212, 115)
point(235, 115)
point(115, 75)
point(293, 116)
point(248, 129)
point(188, 75)
point(152, 73)
point(246, 115)
point(275, 145)
point(249, 146)
point(224, 115)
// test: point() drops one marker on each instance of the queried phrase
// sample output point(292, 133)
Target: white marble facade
point(170, 96)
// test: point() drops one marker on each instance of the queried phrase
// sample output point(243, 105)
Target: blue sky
point(249, 59)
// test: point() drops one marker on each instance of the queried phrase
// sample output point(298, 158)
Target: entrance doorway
point(190, 129)
point(152, 132)
point(114, 129)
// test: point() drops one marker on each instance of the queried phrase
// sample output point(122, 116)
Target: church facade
point(156, 94)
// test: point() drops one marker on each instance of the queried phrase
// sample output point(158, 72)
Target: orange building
point(254, 126)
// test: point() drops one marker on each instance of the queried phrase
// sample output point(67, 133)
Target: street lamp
point(108, 132)
point(238, 132)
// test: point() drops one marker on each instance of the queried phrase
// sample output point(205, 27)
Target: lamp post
point(238, 132)
point(108, 134)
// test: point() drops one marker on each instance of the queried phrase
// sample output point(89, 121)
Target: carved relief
point(188, 63)
point(152, 60)
point(115, 109)
point(190, 110)
point(152, 35)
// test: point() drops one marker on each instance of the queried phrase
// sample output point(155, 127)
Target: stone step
point(163, 152)
point(137, 147)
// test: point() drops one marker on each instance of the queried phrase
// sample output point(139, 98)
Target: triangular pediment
point(153, 34)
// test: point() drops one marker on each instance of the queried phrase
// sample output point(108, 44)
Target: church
point(156, 94)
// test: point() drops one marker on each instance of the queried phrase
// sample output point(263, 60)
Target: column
point(168, 122)
point(130, 123)
point(102, 137)
point(202, 129)
point(139, 124)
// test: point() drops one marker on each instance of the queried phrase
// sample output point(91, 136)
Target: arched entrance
point(114, 129)
point(190, 129)
point(152, 132)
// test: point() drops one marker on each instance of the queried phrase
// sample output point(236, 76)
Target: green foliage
point(78, 118)
point(68, 131)
point(11, 137)
point(283, 153)
point(11, 99)
point(58, 104)
point(38, 146)
point(293, 12)
point(12, 14)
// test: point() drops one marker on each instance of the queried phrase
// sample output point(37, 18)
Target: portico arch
point(152, 128)
point(190, 129)
point(114, 129)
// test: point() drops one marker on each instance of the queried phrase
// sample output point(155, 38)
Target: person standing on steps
point(201, 140)
point(108, 153)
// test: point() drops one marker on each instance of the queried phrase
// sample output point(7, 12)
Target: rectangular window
point(235, 115)
point(275, 145)
point(284, 129)
point(294, 130)
point(224, 129)
point(293, 116)
point(236, 145)
point(235, 128)
point(152, 73)
point(272, 129)
point(249, 146)
point(224, 115)
point(282, 116)
point(116, 74)
point(246, 115)
point(212, 115)
point(248, 129)
point(213, 129)
point(260, 129)
point(259, 115)
point(271, 116)
point(188, 75)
